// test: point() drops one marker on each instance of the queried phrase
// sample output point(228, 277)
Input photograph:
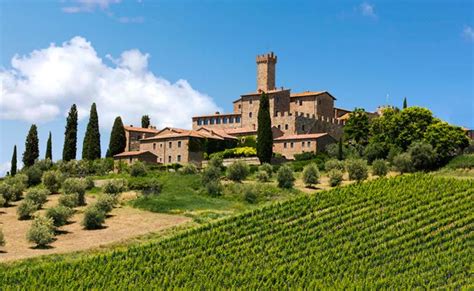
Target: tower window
point(169, 144)
point(154, 146)
point(179, 158)
point(286, 126)
point(284, 145)
point(250, 101)
point(237, 119)
point(179, 144)
point(309, 143)
point(301, 102)
point(250, 114)
point(291, 144)
point(302, 143)
point(169, 159)
point(302, 127)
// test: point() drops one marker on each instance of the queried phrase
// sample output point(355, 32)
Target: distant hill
point(404, 232)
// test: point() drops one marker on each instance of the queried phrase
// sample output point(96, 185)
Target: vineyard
point(406, 232)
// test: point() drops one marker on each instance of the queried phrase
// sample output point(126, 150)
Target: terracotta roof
point(182, 133)
point(301, 136)
point(311, 93)
point(140, 129)
point(133, 153)
point(219, 132)
point(220, 114)
point(267, 92)
point(240, 130)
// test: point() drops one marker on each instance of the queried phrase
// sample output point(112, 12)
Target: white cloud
point(4, 168)
point(468, 33)
point(76, 6)
point(367, 10)
point(42, 86)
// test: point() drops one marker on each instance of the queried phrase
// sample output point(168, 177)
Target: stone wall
point(133, 139)
point(228, 162)
point(169, 150)
point(319, 124)
point(266, 72)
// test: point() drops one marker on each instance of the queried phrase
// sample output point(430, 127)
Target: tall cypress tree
point(91, 145)
point(13, 168)
point(49, 148)
point(340, 153)
point(264, 131)
point(145, 121)
point(31, 147)
point(70, 135)
point(118, 140)
point(405, 104)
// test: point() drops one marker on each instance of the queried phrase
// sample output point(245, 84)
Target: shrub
point(6, 192)
point(305, 156)
point(89, 182)
point(423, 156)
point(393, 152)
point(267, 168)
point(26, 209)
point(37, 195)
point(3, 201)
point(189, 169)
point(238, 171)
point(465, 161)
point(34, 175)
point(41, 231)
point(334, 165)
point(69, 200)
point(59, 214)
point(93, 217)
point(137, 169)
point(311, 175)
point(335, 177)
point(375, 150)
point(285, 177)
point(250, 196)
point(76, 186)
point(51, 180)
point(106, 203)
point(148, 186)
point(2, 239)
point(235, 153)
point(379, 168)
point(262, 176)
point(17, 185)
point(357, 169)
point(214, 188)
point(403, 163)
point(115, 186)
point(247, 141)
point(210, 174)
point(216, 161)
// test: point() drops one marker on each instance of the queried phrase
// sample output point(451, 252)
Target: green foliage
point(335, 177)
point(3, 201)
point(357, 169)
point(70, 135)
point(349, 150)
point(137, 169)
point(26, 209)
point(376, 150)
point(285, 177)
point(334, 164)
point(311, 175)
point(115, 186)
point(10, 191)
point(447, 140)
point(91, 145)
point(2, 238)
point(422, 155)
point(106, 203)
point(147, 185)
point(31, 147)
point(305, 156)
point(210, 174)
point(34, 174)
point(340, 151)
point(39, 196)
point(461, 162)
point(214, 188)
point(41, 231)
point(405, 104)
point(89, 181)
point(235, 153)
point(357, 126)
point(403, 163)
point(262, 176)
point(93, 217)
point(49, 149)
point(76, 186)
point(250, 195)
point(247, 141)
point(319, 160)
point(52, 181)
point(237, 171)
point(393, 152)
point(13, 168)
point(145, 121)
point(69, 200)
point(379, 168)
point(216, 161)
point(118, 141)
point(264, 131)
point(189, 169)
point(59, 215)
point(266, 167)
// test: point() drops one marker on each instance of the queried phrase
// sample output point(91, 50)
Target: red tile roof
point(133, 153)
point(140, 129)
point(183, 133)
point(311, 93)
point(301, 136)
point(240, 130)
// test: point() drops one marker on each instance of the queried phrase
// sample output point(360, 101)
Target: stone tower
point(266, 72)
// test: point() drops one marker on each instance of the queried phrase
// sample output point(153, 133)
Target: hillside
point(409, 231)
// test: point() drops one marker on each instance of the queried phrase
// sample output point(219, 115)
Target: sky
point(175, 59)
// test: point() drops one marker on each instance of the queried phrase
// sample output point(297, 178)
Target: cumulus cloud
point(42, 86)
point(468, 33)
point(367, 10)
point(77, 6)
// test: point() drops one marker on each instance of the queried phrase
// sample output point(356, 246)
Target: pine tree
point(145, 121)
point(49, 148)
point(31, 147)
point(340, 154)
point(70, 135)
point(91, 145)
point(264, 131)
point(405, 105)
point(118, 140)
point(13, 166)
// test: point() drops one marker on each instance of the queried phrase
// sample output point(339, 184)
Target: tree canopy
point(70, 135)
point(118, 141)
point(91, 145)
point(264, 131)
point(49, 148)
point(356, 128)
point(145, 121)
point(31, 147)
point(13, 163)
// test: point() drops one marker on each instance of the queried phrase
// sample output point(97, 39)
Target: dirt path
point(124, 223)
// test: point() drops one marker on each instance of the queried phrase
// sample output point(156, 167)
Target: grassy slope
point(409, 231)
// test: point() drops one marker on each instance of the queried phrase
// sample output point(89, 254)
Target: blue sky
point(129, 56)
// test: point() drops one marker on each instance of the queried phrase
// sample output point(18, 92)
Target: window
point(169, 159)
point(160, 160)
point(154, 146)
point(279, 126)
point(179, 158)
point(179, 144)
point(169, 144)
point(250, 114)
point(218, 120)
point(301, 102)
point(199, 122)
point(206, 121)
point(302, 127)
point(224, 120)
point(296, 113)
point(240, 106)
point(212, 120)
point(276, 113)
point(319, 102)
point(284, 145)
point(231, 120)
point(286, 126)
point(250, 101)
point(161, 145)
point(291, 144)
point(307, 115)
point(237, 119)
point(130, 160)
point(309, 143)
point(302, 144)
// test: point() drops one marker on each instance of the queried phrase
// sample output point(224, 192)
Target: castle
point(301, 122)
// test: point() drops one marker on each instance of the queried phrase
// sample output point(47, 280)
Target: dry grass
point(122, 224)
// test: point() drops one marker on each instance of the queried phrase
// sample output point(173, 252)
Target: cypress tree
point(49, 148)
point(31, 147)
point(91, 145)
point(13, 166)
point(405, 105)
point(264, 131)
point(118, 140)
point(145, 121)
point(340, 154)
point(70, 135)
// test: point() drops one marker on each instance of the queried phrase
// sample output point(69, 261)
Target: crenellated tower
point(266, 72)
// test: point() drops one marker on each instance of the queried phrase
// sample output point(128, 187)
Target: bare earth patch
point(123, 223)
